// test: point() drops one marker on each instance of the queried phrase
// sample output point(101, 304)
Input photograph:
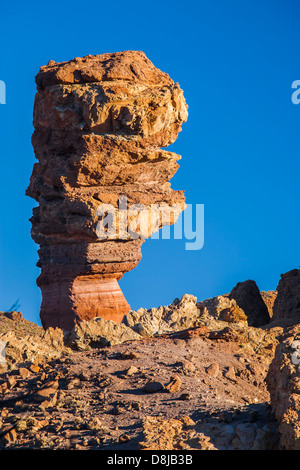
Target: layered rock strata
point(102, 179)
point(287, 303)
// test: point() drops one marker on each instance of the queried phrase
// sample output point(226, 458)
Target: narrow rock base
point(66, 303)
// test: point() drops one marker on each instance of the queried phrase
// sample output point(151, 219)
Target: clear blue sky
point(236, 62)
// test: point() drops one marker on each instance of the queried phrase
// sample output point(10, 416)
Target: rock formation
point(221, 317)
point(173, 434)
point(248, 298)
point(222, 307)
point(27, 342)
point(99, 333)
point(287, 303)
point(172, 392)
point(102, 180)
point(283, 377)
point(195, 378)
point(269, 298)
point(180, 315)
point(283, 381)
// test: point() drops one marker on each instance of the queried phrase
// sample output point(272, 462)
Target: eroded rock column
point(100, 122)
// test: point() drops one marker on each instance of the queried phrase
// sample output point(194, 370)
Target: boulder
point(283, 381)
point(248, 298)
point(101, 179)
point(173, 434)
point(269, 298)
point(32, 347)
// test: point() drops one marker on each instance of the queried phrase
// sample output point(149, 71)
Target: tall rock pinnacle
point(100, 122)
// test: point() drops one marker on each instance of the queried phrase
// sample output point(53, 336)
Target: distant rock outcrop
point(269, 298)
point(248, 298)
point(99, 124)
point(26, 342)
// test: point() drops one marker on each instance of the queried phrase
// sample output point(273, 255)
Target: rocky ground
point(198, 381)
point(103, 398)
